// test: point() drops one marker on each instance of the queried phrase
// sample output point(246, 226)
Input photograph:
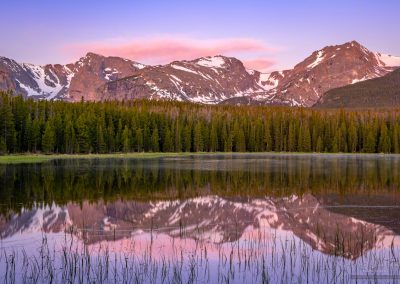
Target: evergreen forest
point(32, 126)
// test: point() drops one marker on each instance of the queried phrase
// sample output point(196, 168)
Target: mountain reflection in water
point(339, 205)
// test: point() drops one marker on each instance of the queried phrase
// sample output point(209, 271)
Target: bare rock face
point(68, 82)
point(93, 71)
point(208, 80)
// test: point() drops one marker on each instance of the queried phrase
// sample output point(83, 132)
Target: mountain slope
point(69, 82)
point(208, 80)
point(378, 92)
point(326, 69)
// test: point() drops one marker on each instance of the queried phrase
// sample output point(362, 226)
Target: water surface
point(213, 218)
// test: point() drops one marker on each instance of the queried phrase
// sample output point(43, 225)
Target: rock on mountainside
point(378, 92)
point(208, 80)
point(326, 69)
point(68, 82)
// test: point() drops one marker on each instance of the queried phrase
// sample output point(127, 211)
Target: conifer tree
point(155, 141)
point(198, 138)
point(268, 138)
point(214, 137)
point(187, 138)
point(7, 126)
point(139, 140)
point(48, 139)
point(370, 141)
point(82, 135)
point(126, 142)
point(384, 145)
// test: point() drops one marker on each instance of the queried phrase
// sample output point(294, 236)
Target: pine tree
point(27, 135)
point(292, 137)
point(101, 145)
point(268, 138)
point(187, 138)
point(126, 142)
point(70, 139)
point(82, 135)
point(178, 137)
point(155, 140)
point(352, 137)
point(7, 126)
point(320, 146)
point(304, 138)
point(198, 138)
point(48, 139)
point(36, 136)
point(214, 137)
point(384, 145)
point(395, 139)
point(3, 146)
point(139, 140)
point(370, 141)
point(167, 145)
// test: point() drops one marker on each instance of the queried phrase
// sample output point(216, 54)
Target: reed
point(264, 256)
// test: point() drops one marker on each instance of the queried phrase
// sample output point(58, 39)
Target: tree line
point(76, 180)
point(28, 125)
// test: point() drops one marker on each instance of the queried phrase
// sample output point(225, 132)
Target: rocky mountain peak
point(210, 79)
point(325, 69)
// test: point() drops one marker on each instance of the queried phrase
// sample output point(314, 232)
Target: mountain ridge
point(208, 80)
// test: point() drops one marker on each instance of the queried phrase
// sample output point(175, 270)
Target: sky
point(265, 35)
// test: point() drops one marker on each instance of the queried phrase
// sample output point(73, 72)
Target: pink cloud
point(167, 49)
point(261, 64)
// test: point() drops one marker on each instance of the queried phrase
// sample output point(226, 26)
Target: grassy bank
point(40, 158)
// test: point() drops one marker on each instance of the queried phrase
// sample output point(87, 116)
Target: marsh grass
point(262, 257)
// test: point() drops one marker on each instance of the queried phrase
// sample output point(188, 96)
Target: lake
point(242, 218)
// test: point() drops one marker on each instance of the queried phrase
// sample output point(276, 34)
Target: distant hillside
point(378, 92)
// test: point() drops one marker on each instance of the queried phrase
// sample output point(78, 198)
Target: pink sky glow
point(167, 49)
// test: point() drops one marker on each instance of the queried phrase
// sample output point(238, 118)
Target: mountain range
point(215, 219)
point(207, 80)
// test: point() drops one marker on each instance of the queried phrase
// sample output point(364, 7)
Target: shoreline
point(41, 158)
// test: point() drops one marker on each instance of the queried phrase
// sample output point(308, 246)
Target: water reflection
point(339, 206)
point(215, 220)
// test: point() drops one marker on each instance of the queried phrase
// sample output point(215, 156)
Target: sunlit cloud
point(166, 49)
point(261, 64)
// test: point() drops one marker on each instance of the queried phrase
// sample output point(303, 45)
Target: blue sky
point(276, 33)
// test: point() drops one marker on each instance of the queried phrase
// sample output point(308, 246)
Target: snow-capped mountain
point(209, 218)
point(69, 82)
point(224, 80)
point(325, 69)
point(207, 80)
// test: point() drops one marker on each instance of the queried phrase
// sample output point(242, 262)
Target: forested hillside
point(379, 92)
point(151, 126)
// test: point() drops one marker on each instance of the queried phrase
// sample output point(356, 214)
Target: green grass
point(40, 158)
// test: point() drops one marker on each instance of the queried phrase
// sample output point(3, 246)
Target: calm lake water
point(199, 219)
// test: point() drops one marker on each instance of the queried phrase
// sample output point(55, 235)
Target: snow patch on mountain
point(181, 68)
point(389, 60)
point(320, 57)
point(211, 61)
point(42, 81)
